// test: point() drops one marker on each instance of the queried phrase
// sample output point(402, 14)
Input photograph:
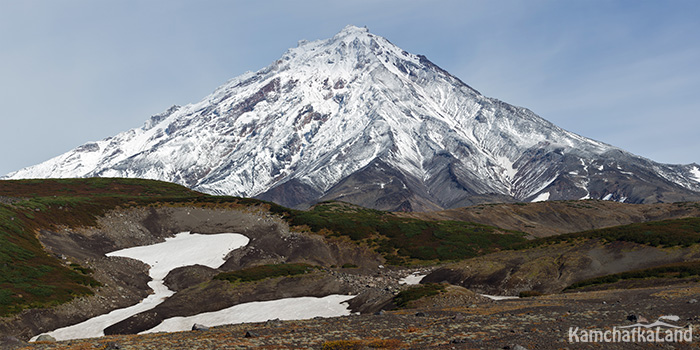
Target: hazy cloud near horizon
point(622, 72)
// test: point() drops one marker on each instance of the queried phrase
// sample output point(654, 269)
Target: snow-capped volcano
point(356, 118)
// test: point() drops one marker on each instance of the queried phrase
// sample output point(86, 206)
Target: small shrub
point(363, 344)
point(81, 269)
point(417, 292)
point(529, 293)
point(265, 271)
point(343, 345)
point(385, 344)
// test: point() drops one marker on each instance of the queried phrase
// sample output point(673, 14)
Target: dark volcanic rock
point(187, 276)
point(199, 327)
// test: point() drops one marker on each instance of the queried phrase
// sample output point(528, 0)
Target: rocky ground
point(458, 318)
point(454, 320)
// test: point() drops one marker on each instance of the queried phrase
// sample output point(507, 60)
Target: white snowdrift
point(499, 297)
point(259, 311)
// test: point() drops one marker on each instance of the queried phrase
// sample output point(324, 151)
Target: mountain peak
point(353, 45)
point(352, 29)
point(358, 119)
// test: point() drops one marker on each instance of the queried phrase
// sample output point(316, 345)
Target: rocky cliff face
point(356, 118)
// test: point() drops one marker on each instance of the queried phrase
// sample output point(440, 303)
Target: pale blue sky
point(622, 72)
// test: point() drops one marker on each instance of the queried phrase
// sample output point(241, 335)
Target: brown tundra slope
point(550, 218)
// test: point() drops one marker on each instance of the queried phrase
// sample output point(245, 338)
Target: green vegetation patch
point(265, 271)
point(666, 233)
point(29, 277)
point(679, 270)
point(32, 278)
point(92, 187)
point(417, 292)
point(402, 239)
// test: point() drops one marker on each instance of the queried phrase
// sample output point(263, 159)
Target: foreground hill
point(56, 233)
point(534, 323)
point(59, 231)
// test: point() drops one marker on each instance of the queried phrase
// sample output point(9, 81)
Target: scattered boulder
point(199, 327)
point(371, 301)
point(636, 318)
point(458, 317)
point(273, 323)
point(184, 277)
point(112, 346)
point(692, 301)
point(46, 337)
point(249, 334)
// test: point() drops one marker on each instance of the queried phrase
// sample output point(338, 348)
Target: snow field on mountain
point(696, 173)
point(182, 250)
point(259, 311)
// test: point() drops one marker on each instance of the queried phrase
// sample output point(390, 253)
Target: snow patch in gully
point(259, 311)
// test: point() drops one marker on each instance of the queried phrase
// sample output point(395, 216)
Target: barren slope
point(543, 219)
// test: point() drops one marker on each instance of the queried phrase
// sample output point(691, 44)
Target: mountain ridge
point(356, 118)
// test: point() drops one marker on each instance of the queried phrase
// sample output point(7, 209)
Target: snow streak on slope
point(260, 311)
point(328, 109)
point(695, 174)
